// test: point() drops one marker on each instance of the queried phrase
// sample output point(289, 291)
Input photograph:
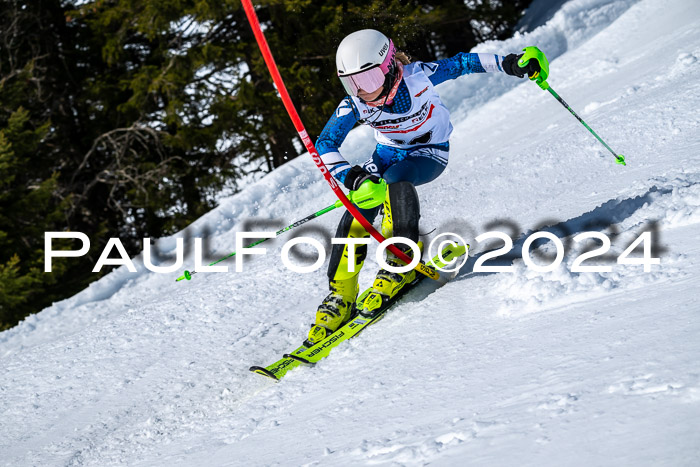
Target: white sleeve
point(491, 62)
point(335, 163)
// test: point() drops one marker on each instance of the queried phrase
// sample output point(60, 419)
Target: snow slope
point(522, 368)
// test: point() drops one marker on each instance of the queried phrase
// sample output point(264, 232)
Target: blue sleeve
point(461, 64)
point(331, 138)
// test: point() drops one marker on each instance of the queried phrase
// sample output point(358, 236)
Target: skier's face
point(370, 96)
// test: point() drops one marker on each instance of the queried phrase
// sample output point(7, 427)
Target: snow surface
point(523, 368)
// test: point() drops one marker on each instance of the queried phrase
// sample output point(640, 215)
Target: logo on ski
point(281, 366)
point(327, 343)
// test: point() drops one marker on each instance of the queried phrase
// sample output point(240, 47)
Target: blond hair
point(403, 57)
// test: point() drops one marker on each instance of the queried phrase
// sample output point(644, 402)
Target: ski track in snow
point(522, 368)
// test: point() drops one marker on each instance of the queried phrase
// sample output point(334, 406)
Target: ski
point(370, 309)
point(280, 366)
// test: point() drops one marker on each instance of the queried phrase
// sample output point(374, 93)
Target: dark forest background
point(127, 118)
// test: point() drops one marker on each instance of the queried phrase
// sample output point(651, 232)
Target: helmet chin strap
point(381, 110)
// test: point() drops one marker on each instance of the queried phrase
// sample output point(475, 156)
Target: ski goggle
point(371, 79)
point(368, 81)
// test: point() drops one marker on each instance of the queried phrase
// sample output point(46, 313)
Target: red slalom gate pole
point(299, 126)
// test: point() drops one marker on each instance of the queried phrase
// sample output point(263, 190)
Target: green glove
point(536, 64)
point(533, 63)
point(370, 194)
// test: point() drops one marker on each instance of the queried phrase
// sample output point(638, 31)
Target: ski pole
point(619, 158)
point(188, 275)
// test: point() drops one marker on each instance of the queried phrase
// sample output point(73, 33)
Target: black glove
point(511, 67)
point(356, 176)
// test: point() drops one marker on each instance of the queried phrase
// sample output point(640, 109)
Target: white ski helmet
point(365, 60)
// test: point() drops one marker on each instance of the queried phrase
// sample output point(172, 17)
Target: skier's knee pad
point(339, 266)
point(401, 211)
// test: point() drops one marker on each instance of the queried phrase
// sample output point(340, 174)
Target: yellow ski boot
point(335, 309)
point(388, 284)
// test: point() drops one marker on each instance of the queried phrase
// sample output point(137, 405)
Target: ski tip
point(263, 371)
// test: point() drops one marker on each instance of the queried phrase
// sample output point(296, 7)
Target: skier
point(412, 128)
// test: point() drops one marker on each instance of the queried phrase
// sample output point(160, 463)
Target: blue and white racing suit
point(413, 132)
